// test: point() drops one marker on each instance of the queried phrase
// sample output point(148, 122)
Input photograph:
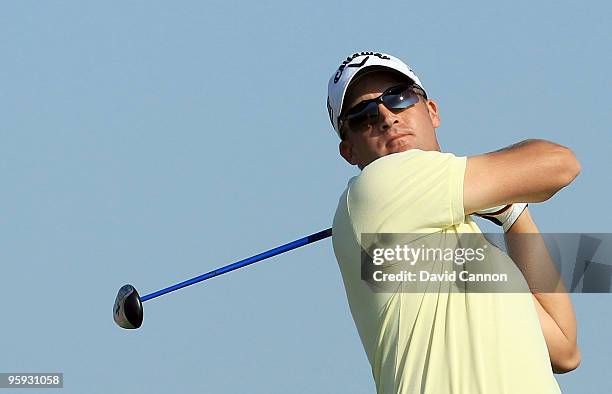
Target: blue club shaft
point(242, 263)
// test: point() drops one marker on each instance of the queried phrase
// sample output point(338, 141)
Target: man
point(443, 342)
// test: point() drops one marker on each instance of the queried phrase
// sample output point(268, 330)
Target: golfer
point(444, 342)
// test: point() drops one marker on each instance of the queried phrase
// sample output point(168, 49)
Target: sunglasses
point(365, 114)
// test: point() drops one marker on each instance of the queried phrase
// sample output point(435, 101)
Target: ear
point(346, 151)
point(434, 115)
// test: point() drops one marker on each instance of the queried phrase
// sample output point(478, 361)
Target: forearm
point(552, 302)
point(547, 168)
point(530, 171)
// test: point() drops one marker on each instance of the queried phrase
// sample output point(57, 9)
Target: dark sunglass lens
point(400, 98)
point(361, 117)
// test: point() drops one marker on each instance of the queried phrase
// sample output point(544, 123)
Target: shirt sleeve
point(412, 191)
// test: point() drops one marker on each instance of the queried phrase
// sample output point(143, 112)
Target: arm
point(530, 171)
point(553, 304)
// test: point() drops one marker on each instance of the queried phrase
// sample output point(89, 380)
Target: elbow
point(567, 166)
point(560, 167)
point(569, 363)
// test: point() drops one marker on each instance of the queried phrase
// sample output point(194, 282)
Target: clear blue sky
point(148, 142)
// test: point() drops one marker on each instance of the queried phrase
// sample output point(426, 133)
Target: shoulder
point(410, 158)
point(399, 168)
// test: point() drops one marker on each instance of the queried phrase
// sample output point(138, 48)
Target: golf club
point(127, 310)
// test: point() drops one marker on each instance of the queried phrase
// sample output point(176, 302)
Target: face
point(394, 131)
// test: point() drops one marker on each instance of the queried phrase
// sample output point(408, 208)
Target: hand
point(504, 215)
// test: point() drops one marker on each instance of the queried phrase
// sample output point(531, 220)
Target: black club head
point(127, 311)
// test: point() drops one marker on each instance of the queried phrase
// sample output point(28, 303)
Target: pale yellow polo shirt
point(441, 342)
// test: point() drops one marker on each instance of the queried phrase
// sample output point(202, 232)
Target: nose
point(386, 118)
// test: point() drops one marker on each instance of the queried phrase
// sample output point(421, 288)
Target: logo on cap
point(347, 62)
point(330, 110)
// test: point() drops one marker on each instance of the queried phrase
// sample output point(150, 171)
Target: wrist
point(523, 223)
point(503, 215)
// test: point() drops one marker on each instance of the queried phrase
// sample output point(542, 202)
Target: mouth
point(395, 140)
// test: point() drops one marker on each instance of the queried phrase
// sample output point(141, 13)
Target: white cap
point(353, 65)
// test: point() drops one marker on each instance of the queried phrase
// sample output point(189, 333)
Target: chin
point(401, 148)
